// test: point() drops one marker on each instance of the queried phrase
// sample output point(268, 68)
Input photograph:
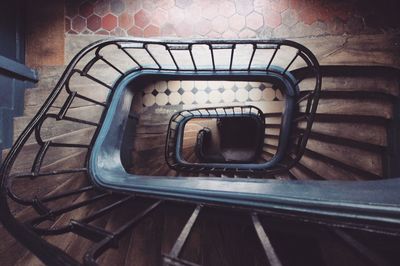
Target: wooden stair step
point(26, 157)
point(53, 128)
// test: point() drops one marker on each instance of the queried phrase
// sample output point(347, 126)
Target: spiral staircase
point(122, 184)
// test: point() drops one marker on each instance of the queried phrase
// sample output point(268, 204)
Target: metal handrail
point(29, 233)
point(175, 135)
point(203, 134)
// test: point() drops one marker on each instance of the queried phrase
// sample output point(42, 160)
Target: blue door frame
point(15, 77)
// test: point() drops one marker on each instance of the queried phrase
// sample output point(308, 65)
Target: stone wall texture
point(230, 18)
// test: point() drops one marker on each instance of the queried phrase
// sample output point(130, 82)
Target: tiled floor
point(188, 92)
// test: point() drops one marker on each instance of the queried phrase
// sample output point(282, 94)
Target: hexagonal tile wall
point(109, 22)
point(254, 21)
point(222, 18)
point(142, 19)
point(94, 22)
point(125, 21)
point(78, 23)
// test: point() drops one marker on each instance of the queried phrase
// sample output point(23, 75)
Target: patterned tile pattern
point(229, 18)
point(175, 92)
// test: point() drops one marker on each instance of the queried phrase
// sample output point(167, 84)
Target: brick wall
point(230, 18)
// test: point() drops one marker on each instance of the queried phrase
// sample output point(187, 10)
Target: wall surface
point(55, 25)
point(230, 18)
point(44, 33)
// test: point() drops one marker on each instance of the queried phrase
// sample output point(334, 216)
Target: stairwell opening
point(220, 140)
point(152, 109)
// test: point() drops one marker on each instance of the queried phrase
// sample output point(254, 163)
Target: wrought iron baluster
point(152, 56)
point(77, 95)
point(97, 249)
point(97, 81)
point(107, 209)
point(232, 55)
point(66, 105)
point(50, 173)
point(291, 62)
point(65, 194)
point(70, 145)
point(172, 56)
point(91, 232)
point(89, 65)
point(212, 56)
point(37, 163)
point(132, 58)
point(252, 56)
point(180, 242)
point(111, 65)
point(272, 257)
point(192, 57)
point(272, 58)
point(35, 221)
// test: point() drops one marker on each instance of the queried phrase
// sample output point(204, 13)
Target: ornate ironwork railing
point(175, 136)
point(40, 160)
point(202, 136)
